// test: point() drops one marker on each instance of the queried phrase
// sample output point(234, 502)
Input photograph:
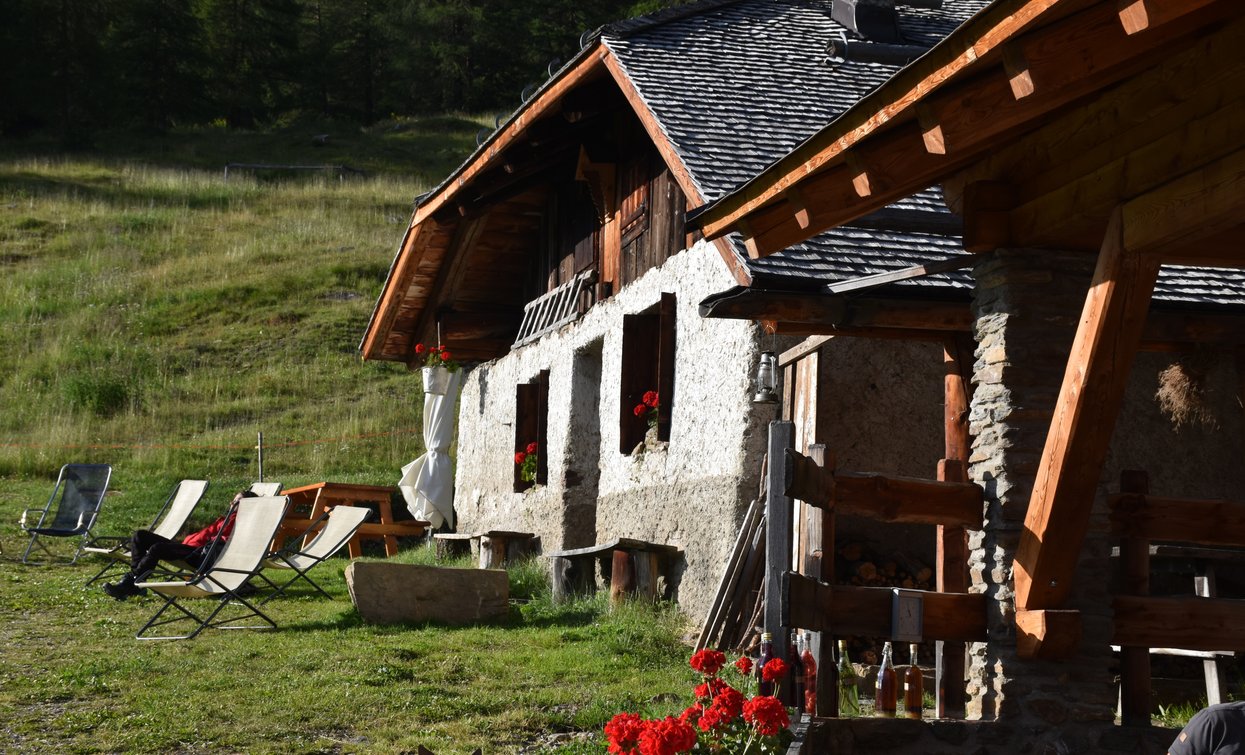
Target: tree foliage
point(76, 66)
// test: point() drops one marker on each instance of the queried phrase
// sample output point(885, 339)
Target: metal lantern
point(767, 374)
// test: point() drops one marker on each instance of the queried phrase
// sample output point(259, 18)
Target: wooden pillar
point(622, 576)
point(1106, 342)
point(1135, 661)
point(821, 644)
point(778, 540)
point(952, 542)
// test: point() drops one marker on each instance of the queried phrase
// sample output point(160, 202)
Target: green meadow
point(158, 317)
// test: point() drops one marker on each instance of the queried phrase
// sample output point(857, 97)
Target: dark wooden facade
point(580, 180)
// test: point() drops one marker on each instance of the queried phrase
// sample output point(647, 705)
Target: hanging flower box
point(436, 380)
point(437, 368)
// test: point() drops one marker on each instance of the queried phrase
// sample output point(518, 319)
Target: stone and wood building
point(556, 261)
point(1092, 326)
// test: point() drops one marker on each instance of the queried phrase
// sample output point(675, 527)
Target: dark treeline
point(73, 67)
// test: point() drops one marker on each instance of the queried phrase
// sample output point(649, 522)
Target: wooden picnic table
point(308, 502)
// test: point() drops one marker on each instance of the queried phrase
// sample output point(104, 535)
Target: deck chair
point(266, 488)
point(78, 495)
point(221, 580)
point(342, 524)
point(168, 522)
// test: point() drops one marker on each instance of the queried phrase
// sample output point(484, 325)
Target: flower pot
point(436, 380)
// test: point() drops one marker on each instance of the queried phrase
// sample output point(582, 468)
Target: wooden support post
point(1135, 660)
point(952, 542)
point(1089, 401)
point(821, 644)
point(778, 521)
point(622, 576)
point(1204, 587)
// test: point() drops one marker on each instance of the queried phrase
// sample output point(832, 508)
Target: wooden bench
point(630, 567)
point(497, 547)
point(308, 502)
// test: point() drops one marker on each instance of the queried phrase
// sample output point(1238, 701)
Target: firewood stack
point(861, 566)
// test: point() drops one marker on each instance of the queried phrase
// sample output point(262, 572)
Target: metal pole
point(260, 449)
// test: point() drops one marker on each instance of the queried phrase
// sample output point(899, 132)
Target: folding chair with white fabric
point(167, 523)
point(265, 488)
point(221, 580)
point(339, 525)
point(78, 495)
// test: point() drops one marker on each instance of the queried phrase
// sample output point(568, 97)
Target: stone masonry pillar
point(1027, 305)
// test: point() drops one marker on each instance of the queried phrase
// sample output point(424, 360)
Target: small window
point(531, 418)
point(648, 351)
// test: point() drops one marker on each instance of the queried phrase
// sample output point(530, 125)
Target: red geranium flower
point(650, 398)
point(692, 713)
point(730, 701)
point(445, 355)
point(744, 664)
point(774, 670)
point(420, 348)
point(532, 447)
point(624, 732)
point(708, 662)
point(667, 737)
point(766, 714)
point(639, 410)
point(519, 457)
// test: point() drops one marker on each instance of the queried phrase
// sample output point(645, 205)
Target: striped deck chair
point(221, 581)
point(167, 523)
point(341, 525)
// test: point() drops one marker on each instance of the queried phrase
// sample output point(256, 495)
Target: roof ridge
point(628, 26)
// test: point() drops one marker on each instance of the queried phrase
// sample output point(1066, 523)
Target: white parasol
point(427, 483)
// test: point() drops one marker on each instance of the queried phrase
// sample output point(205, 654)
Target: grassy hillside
point(157, 317)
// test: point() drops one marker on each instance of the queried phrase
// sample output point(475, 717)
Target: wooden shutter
point(666, 336)
point(542, 427)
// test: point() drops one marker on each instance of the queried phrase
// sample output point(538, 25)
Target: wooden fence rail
point(823, 608)
point(1184, 623)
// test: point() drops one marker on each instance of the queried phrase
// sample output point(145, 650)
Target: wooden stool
point(630, 567)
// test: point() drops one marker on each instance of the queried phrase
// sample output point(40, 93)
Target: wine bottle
point(765, 688)
point(886, 695)
point(849, 686)
point(810, 680)
point(913, 688)
point(798, 673)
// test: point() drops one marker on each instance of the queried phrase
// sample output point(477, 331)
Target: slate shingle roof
point(737, 84)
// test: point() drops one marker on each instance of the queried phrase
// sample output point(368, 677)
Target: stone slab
point(386, 593)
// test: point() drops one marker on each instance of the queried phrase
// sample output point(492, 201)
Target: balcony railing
point(563, 304)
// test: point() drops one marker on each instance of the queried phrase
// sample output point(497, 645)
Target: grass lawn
point(74, 679)
point(156, 317)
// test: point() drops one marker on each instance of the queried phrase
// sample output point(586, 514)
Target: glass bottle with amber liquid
point(886, 694)
point(913, 688)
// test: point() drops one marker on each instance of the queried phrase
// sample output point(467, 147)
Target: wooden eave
point(1109, 126)
point(457, 218)
point(1004, 72)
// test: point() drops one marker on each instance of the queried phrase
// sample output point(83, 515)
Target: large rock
point(386, 593)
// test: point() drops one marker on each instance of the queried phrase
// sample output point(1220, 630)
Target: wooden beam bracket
point(1047, 635)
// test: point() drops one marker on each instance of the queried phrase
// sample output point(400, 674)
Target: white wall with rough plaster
point(691, 492)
